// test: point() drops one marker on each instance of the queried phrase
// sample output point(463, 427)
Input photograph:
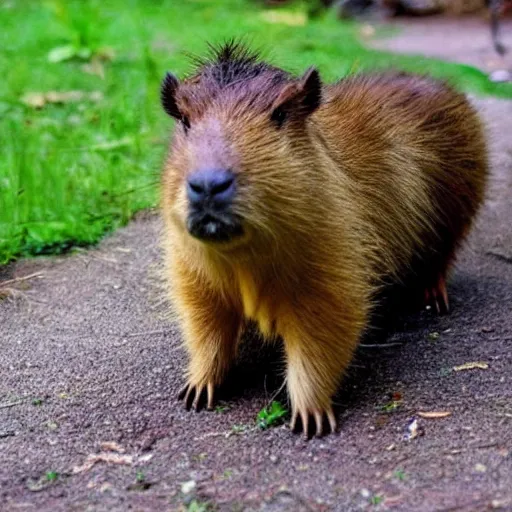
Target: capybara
point(292, 204)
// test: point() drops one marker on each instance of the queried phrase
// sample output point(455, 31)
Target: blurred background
point(82, 134)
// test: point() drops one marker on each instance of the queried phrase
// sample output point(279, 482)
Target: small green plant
point(433, 336)
point(37, 401)
point(44, 481)
point(376, 499)
point(199, 506)
point(390, 407)
point(221, 408)
point(238, 429)
point(141, 483)
point(271, 415)
point(400, 475)
point(445, 371)
point(52, 476)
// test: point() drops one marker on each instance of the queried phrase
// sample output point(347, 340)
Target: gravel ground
point(88, 357)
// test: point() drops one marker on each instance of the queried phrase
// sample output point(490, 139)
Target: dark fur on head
point(232, 62)
point(242, 77)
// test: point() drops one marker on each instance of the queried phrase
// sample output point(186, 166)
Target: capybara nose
point(215, 187)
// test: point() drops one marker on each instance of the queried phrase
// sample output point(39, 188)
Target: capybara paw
point(195, 394)
point(315, 416)
point(437, 296)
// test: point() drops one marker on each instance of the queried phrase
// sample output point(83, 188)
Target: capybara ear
point(168, 95)
point(299, 98)
point(311, 90)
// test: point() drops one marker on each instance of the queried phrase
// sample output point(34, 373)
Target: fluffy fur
point(343, 189)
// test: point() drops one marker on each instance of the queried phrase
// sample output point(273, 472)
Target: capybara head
point(241, 165)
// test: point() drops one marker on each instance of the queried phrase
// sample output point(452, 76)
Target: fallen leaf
point(34, 99)
point(61, 53)
point(434, 414)
point(109, 458)
point(68, 52)
point(471, 366)
point(95, 67)
point(72, 96)
point(40, 99)
point(112, 446)
point(292, 19)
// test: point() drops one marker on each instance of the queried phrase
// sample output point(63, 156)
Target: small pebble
point(501, 75)
point(188, 487)
point(480, 468)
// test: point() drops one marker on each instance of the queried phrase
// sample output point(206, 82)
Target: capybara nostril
point(215, 186)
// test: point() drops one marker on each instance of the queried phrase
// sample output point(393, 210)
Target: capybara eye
point(278, 116)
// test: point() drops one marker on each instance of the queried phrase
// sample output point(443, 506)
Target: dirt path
point(88, 357)
point(465, 40)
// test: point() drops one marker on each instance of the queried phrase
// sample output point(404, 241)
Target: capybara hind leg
point(435, 292)
point(436, 295)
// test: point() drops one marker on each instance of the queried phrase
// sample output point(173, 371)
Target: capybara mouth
point(217, 228)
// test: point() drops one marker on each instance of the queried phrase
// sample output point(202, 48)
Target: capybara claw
point(437, 296)
point(316, 418)
point(193, 395)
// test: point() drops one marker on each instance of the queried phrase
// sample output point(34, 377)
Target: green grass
point(52, 476)
point(271, 415)
point(71, 172)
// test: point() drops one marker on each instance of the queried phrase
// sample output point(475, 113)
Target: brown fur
point(379, 184)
